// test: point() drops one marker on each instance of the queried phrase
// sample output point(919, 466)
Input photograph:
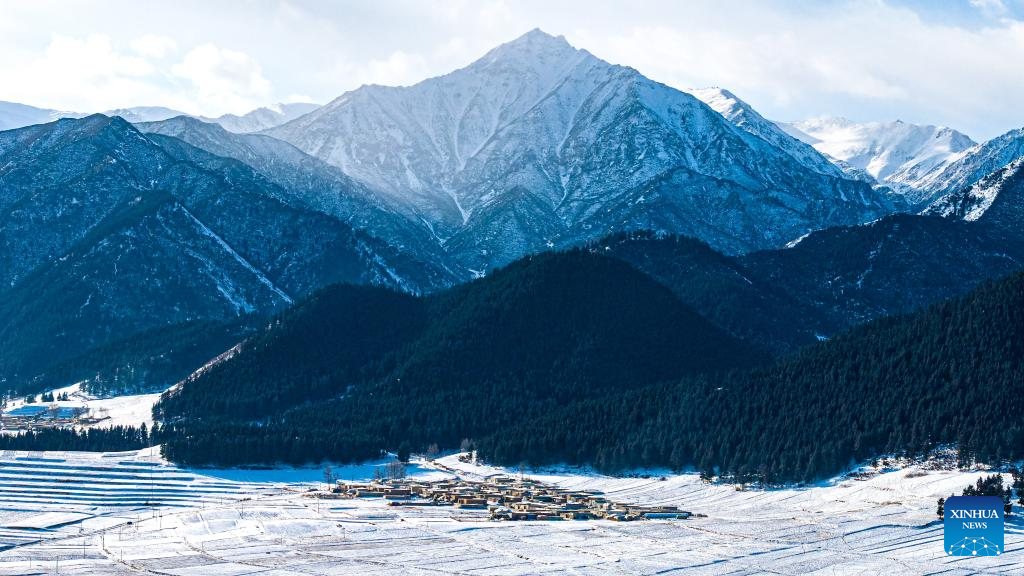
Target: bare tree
point(396, 470)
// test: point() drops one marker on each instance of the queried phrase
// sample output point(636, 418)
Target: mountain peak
point(536, 46)
point(973, 202)
point(538, 37)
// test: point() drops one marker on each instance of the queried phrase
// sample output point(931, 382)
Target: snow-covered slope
point(971, 165)
point(996, 200)
point(539, 144)
point(105, 232)
point(310, 182)
point(78, 514)
point(137, 114)
point(894, 153)
point(743, 115)
point(971, 203)
point(14, 115)
point(263, 118)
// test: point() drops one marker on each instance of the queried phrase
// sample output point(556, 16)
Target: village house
point(507, 499)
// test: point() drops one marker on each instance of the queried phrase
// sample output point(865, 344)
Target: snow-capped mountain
point(263, 118)
point(743, 115)
point(973, 164)
point(540, 144)
point(894, 153)
point(14, 115)
point(996, 199)
point(105, 232)
point(307, 181)
point(137, 114)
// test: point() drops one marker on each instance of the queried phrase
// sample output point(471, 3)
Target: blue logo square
point(973, 526)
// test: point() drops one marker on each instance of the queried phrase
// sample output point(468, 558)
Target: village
point(506, 498)
point(40, 416)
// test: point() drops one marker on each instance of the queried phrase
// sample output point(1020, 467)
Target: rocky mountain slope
point(897, 154)
point(136, 114)
point(538, 144)
point(14, 115)
point(306, 181)
point(103, 232)
point(743, 115)
point(263, 118)
point(974, 164)
point(997, 200)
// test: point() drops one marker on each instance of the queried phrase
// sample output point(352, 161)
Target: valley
point(152, 518)
point(357, 289)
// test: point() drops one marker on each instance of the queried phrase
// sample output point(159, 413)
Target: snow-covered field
point(131, 513)
point(118, 411)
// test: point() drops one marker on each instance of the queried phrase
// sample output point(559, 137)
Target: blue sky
point(948, 62)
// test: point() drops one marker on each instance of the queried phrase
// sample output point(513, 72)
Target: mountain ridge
point(104, 232)
point(600, 146)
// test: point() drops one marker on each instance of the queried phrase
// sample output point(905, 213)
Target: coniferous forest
point(614, 371)
point(113, 439)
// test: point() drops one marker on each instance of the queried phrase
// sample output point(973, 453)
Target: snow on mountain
point(894, 153)
point(137, 114)
point(974, 164)
point(972, 202)
point(307, 181)
point(263, 118)
point(743, 115)
point(996, 200)
point(14, 115)
point(105, 232)
point(540, 144)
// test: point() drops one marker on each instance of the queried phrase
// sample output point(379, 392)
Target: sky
point(956, 63)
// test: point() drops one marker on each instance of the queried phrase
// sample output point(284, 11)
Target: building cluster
point(33, 416)
point(507, 498)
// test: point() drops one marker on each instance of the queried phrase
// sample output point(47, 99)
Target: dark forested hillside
point(105, 233)
point(829, 281)
point(315, 351)
point(893, 266)
point(542, 333)
point(951, 373)
point(719, 287)
point(571, 357)
point(147, 362)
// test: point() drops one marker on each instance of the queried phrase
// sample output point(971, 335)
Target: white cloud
point(80, 74)
point(224, 79)
point(866, 59)
point(298, 99)
point(153, 46)
point(398, 69)
point(990, 7)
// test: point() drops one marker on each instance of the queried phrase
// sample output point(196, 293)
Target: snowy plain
point(132, 410)
point(133, 513)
